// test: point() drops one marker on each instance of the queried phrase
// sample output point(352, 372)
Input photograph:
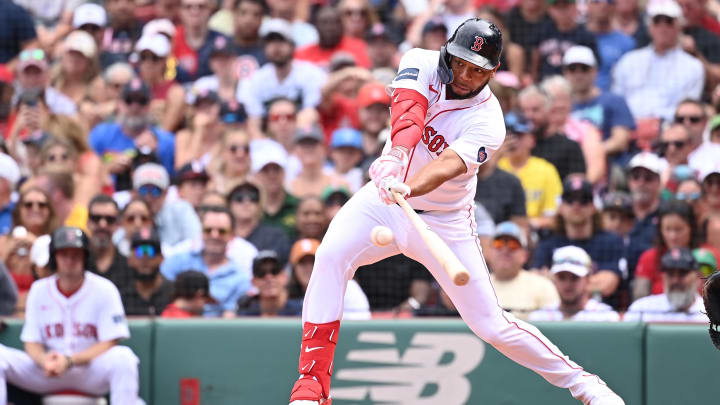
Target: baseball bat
point(438, 248)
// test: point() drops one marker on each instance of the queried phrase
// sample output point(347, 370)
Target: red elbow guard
point(407, 117)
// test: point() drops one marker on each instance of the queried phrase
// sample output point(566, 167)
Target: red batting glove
point(392, 164)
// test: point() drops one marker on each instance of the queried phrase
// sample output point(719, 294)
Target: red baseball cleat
point(307, 391)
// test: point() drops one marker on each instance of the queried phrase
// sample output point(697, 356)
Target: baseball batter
point(73, 320)
point(445, 124)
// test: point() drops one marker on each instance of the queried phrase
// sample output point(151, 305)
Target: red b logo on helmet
point(479, 41)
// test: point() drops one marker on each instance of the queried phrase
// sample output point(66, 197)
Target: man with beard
point(298, 81)
point(118, 142)
point(149, 292)
point(680, 302)
point(570, 270)
point(332, 41)
point(103, 216)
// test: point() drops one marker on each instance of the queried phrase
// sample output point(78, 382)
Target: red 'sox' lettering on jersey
point(434, 142)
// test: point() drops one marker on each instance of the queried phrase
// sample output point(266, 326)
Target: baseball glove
point(711, 299)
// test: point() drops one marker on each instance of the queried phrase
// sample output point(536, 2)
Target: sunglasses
point(583, 199)
point(131, 219)
point(260, 272)
point(676, 144)
point(688, 196)
point(242, 196)
point(221, 231)
point(41, 205)
point(692, 119)
point(663, 19)
point(61, 157)
point(236, 147)
point(645, 176)
point(109, 219)
point(90, 28)
point(143, 101)
point(149, 190)
point(37, 54)
point(148, 251)
point(510, 243)
point(278, 117)
point(578, 67)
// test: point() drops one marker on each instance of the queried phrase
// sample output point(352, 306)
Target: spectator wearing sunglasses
point(167, 96)
point(33, 73)
point(135, 215)
point(118, 142)
point(675, 146)
point(641, 76)
point(191, 181)
point(148, 292)
point(114, 78)
point(270, 280)
point(607, 111)
point(177, 223)
point(578, 223)
point(229, 280)
point(103, 222)
point(33, 210)
point(518, 291)
point(244, 202)
point(571, 269)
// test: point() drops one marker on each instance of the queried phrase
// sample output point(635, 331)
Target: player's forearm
point(437, 172)
point(87, 355)
point(36, 351)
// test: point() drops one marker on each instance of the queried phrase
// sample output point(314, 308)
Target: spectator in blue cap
point(346, 153)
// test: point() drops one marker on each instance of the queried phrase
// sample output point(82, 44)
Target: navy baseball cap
point(145, 236)
point(136, 87)
point(516, 124)
point(221, 46)
point(678, 258)
point(577, 185)
point(346, 137)
point(191, 171)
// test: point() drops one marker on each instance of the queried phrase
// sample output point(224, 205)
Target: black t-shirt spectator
point(564, 153)
point(522, 32)
point(605, 250)
point(642, 236)
point(136, 305)
point(119, 272)
point(16, 29)
point(707, 43)
point(271, 237)
point(387, 282)
point(552, 45)
point(502, 195)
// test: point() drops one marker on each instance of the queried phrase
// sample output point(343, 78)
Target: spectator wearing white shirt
point(570, 270)
point(654, 79)
point(680, 302)
point(282, 76)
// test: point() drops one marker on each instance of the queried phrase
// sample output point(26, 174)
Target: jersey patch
point(408, 73)
point(482, 155)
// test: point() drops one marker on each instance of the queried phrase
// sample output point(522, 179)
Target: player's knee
point(123, 359)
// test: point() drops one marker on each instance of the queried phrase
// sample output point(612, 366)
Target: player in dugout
point(445, 123)
point(73, 322)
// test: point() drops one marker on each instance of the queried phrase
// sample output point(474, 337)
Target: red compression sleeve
point(407, 117)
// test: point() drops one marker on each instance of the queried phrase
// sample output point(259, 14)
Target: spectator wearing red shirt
point(191, 293)
point(677, 228)
point(339, 104)
point(332, 41)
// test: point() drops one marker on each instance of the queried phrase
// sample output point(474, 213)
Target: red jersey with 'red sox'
point(473, 128)
point(69, 325)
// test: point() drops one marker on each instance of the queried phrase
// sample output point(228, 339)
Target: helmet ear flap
point(444, 71)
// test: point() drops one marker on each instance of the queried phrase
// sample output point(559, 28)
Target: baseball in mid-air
point(381, 235)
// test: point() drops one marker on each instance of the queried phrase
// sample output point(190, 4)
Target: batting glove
point(391, 164)
point(388, 185)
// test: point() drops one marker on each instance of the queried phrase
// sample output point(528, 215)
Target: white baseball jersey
point(473, 128)
point(594, 311)
point(656, 308)
point(69, 325)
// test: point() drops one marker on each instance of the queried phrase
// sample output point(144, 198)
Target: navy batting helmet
point(477, 41)
point(68, 237)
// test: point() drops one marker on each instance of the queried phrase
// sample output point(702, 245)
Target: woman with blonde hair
point(233, 163)
point(77, 73)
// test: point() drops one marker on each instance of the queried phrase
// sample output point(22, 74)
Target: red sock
point(317, 352)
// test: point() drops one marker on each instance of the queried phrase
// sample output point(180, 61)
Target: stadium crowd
point(205, 145)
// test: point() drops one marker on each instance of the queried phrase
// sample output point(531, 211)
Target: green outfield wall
point(414, 362)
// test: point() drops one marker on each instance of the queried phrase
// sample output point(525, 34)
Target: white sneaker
point(607, 399)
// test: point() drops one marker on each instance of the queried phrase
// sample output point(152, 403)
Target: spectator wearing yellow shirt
point(539, 178)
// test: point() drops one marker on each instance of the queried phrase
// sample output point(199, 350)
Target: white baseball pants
point(347, 245)
point(115, 371)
